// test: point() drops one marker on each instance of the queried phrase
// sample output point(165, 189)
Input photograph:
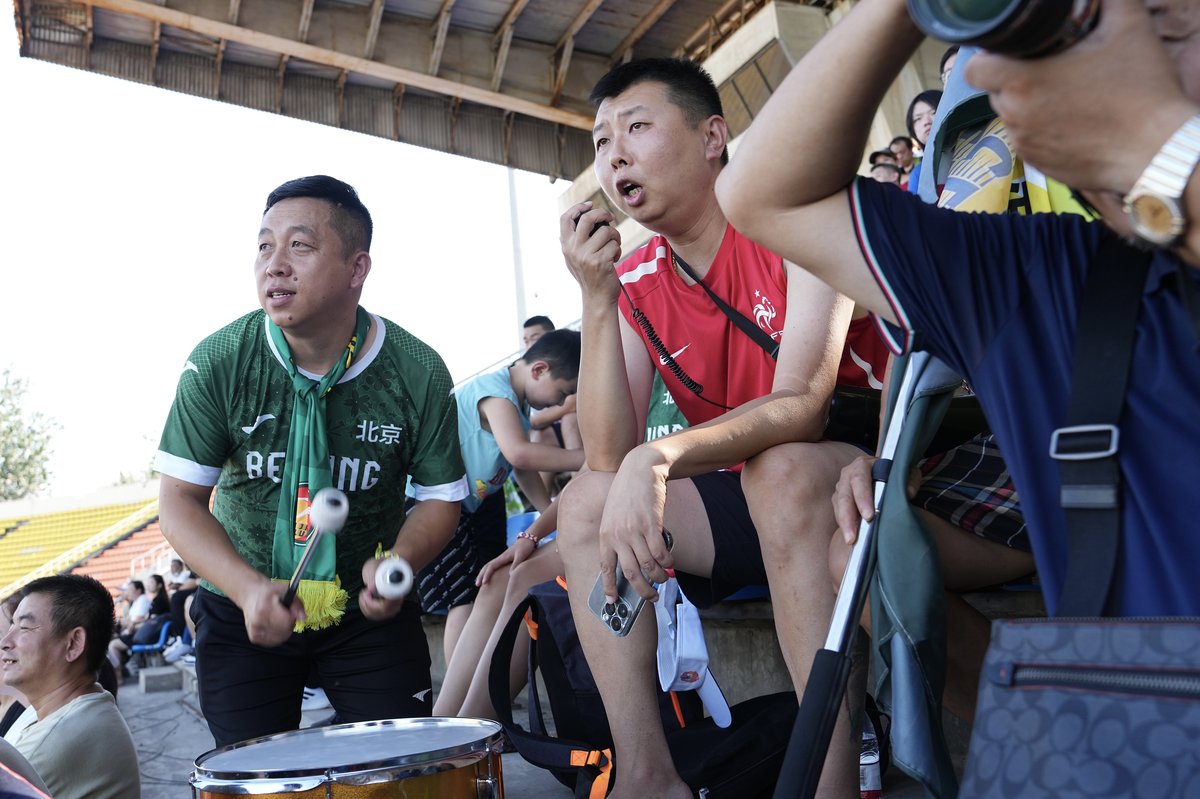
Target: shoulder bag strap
point(745, 325)
point(1087, 446)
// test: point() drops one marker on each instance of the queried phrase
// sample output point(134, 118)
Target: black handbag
point(1082, 704)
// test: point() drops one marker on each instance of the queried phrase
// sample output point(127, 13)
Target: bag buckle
point(1085, 442)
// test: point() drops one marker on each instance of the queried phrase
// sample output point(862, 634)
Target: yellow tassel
point(324, 604)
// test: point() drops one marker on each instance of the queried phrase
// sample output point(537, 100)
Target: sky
point(129, 216)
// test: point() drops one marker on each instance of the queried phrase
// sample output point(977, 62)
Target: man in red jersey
point(752, 469)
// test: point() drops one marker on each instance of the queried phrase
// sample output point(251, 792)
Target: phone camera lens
point(623, 610)
point(616, 624)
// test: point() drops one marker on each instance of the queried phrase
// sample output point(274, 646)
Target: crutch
point(830, 672)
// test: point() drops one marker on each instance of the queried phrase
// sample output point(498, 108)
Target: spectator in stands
point(136, 614)
point(315, 376)
point(12, 702)
point(991, 294)
point(179, 577)
point(557, 426)
point(902, 148)
point(946, 65)
point(493, 431)
point(660, 143)
point(80, 744)
point(886, 173)
point(882, 157)
point(919, 119)
point(160, 603)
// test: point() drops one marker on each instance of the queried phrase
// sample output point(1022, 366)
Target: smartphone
point(619, 616)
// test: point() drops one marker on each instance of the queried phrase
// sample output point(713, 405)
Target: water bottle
point(869, 780)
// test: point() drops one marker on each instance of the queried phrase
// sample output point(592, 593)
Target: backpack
point(741, 761)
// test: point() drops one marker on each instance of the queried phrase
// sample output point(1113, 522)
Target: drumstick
point(393, 578)
point(327, 514)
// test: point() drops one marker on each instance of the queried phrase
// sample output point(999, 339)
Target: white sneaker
point(176, 651)
point(314, 699)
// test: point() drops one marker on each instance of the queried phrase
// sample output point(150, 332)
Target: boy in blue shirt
point(493, 433)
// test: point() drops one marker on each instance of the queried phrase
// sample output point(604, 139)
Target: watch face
point(1156, 219)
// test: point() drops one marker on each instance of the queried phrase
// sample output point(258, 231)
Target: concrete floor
point(170, 735)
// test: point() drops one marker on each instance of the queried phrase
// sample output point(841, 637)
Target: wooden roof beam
point(440, 29)
point(560, 76)
point(289, 48)
point(154, 48)
point(373, 24)
point(577, 24)
point(235, 10)
point(306, 12)
point(502, 42)
point(625, 49)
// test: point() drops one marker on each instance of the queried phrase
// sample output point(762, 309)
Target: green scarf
point(305, 472)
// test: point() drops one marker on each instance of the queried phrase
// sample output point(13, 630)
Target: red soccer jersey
point(731, 367)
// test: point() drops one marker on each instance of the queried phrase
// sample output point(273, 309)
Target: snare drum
point(416, 758)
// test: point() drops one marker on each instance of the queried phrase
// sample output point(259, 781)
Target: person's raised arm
point(785, 186)
point(504, 422)
point(199, 538)
point(607, 412)
point(1094, 115)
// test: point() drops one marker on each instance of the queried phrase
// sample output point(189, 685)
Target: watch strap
point(1172, 167)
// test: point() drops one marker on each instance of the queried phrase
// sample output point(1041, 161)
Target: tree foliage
point(24, 442)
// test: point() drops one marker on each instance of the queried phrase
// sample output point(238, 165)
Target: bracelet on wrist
point(528, 536)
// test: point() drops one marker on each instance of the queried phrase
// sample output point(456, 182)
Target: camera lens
point(609, 608)
point(1024, 28)
point(616, 624)
point(623, 610)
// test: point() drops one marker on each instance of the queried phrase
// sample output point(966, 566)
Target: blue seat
point(153, 651)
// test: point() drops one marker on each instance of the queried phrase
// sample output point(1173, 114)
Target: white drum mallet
point(393, 578)
point(327, 513)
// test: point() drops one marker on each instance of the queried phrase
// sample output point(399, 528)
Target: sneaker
point(189, 659)
point(176, 651)
point(314, 699)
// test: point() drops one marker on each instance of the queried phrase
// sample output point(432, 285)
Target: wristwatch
point(1155, 203)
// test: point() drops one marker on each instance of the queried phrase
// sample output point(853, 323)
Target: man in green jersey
point(311, 391)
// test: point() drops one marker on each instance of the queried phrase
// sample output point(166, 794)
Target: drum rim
point(484, 743)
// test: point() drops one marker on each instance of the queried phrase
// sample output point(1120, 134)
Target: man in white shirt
point(80, 744)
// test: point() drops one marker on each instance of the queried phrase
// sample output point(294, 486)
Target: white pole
point(518, 269)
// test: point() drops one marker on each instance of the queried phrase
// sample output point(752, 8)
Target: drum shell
point(387, 762)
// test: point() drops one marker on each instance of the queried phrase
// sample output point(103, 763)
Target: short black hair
point(878, 154)
point(886, 165)
point(139, 585)
point(689, 86)
point(904, 139)
point(560, 350)
point(77, 600)
point(931, 98)
point(539, 321)
point(349, 217)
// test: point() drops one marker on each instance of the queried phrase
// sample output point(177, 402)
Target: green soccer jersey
point(391, 415)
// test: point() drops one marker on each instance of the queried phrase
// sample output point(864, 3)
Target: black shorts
point(449, 581)
point(737, 557)
point(370, 670)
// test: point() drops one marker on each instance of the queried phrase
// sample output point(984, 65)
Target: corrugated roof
point(499, 80)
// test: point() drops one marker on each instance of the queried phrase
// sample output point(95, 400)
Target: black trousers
point(370, 670)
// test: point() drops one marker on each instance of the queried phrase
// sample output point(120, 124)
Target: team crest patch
point(303, 526)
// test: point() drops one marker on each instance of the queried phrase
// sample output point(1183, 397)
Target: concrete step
point(159, 678)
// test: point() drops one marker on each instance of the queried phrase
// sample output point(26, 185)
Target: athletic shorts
point(370, 670)
point(737, 560)
point(971, 488)
point(449, 581)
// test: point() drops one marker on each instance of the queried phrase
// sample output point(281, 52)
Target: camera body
point(1023, 28)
